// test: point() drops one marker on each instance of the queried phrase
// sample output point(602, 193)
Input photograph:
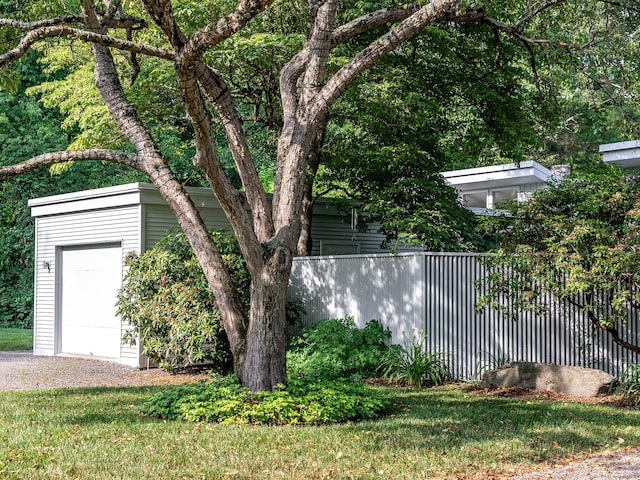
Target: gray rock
point(584, 382)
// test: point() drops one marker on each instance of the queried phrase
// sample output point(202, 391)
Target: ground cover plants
point(301, 402)
point(327, 364)
point(16, 339)
point(436, 433)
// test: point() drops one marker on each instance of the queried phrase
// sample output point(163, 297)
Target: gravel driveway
point(24, 371)
point(618, 466)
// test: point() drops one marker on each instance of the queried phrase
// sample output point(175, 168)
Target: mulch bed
point(544, 395)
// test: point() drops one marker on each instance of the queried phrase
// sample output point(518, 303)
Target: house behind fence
point(435, 295)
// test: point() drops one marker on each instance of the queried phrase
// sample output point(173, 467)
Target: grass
point(444, 432)
point(16, 339)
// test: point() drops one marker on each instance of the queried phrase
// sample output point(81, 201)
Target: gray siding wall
point(120, 225)
point(330, 230)
point(434, 294)
point(332, 233)
point(159, 220)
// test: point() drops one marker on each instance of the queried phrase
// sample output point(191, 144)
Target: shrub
point(415, 364)
point(628, 384)
point(166, 298)
point(333, 349)
point(224, 400)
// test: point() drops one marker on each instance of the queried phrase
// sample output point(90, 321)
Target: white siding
point(116, 225)
point(136, 216)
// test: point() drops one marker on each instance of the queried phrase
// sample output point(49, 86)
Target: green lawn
point(16, 339)
point(437, 433)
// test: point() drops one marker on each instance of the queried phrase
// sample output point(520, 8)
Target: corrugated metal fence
point(435, 294)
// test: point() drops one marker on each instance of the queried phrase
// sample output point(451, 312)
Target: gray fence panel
point(435, 295)
point(382, 287)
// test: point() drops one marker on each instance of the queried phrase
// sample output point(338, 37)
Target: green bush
point(627, 384)
point(337, 349)
point(167, 300)
point(224, 400)
point(416, 365)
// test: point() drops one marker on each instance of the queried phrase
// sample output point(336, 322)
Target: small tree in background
point(579, 241)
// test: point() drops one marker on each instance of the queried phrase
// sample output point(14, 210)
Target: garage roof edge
point(119, 195)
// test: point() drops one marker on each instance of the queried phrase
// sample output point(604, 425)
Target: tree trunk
point(262, 365)
point(305, 242)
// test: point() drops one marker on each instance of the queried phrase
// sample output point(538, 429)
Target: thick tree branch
point(161, 11)
point(48, 159)
point(377, 49)
point(396, 14)
point(154, 165)
point(43, 33)
point(47, 22)
point(369, 21)
point(117, 22)
point(289, 76)
point(219, 95)
point(319, 47)
point(294, 143)
point(208, 161)
point(217, 31)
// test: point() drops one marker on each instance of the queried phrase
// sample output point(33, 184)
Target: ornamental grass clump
point(224, 400)
point(416, 365)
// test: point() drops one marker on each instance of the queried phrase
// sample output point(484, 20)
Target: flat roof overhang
point(623, 154)
point(506, 175)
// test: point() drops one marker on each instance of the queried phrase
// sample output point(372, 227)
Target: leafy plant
point(628, 384)
point(415, 364)
point(166, 298)
point(224, 400)
point(336, 348)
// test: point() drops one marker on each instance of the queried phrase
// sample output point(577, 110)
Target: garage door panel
point(90, 279)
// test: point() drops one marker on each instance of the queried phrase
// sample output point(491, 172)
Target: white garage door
point(90, 279)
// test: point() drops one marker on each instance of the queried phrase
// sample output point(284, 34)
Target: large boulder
point(584, 382)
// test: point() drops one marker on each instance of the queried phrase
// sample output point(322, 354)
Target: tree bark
point(264, 363)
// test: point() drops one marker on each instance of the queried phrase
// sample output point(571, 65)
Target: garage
point(90, 277)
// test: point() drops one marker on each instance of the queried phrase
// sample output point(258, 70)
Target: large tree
point(123, 35)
